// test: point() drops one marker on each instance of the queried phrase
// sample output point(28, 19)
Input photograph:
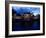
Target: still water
point(35, 25)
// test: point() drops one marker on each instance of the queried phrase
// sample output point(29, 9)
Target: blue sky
point(22, 10)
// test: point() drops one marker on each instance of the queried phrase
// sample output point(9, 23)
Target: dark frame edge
point(6, 19)
point(43, 18)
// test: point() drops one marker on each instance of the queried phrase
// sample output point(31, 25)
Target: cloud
point(22, 10)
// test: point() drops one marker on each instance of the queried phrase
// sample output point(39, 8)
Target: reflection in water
point(19, 26)
point(36, 25)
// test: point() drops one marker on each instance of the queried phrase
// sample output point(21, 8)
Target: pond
point(19, 26)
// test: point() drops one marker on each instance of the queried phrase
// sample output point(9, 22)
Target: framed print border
point(7, 18)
